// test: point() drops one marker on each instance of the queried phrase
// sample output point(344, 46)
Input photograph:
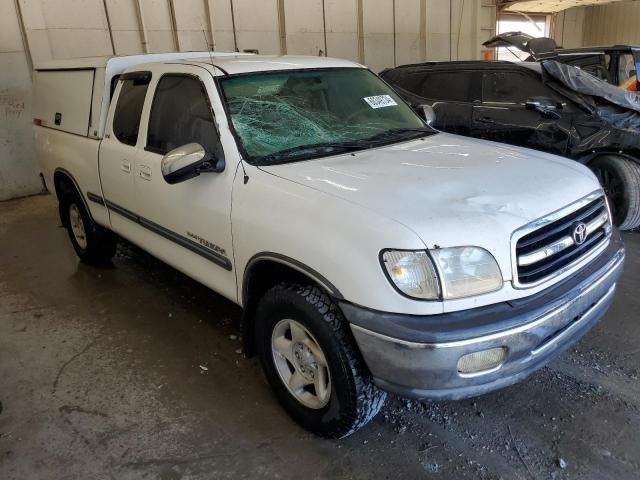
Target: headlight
point(413, 273)
point(458, 272)
point(466, 271)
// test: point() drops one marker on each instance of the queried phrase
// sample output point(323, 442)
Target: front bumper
point(418, 356)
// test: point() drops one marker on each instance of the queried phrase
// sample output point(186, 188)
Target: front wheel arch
point(265, 271)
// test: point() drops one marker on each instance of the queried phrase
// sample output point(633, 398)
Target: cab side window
point(126, 118)
point(512, 87)
point(181, 114)
point(409, 80)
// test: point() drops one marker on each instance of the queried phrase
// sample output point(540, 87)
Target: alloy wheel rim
point(77, 226)
point(301, 364)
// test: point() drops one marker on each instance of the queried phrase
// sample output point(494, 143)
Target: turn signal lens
point(412, 273)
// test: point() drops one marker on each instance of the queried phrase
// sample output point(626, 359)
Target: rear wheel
point(620, 178)
point(92, 243)
point(311, 362)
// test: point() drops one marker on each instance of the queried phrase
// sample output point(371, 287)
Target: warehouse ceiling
point(547, 6)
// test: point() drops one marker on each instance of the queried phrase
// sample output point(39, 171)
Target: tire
point(93, 244)
point(620, 178)
point(352, 399)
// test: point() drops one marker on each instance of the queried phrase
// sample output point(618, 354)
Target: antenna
point(206, 42)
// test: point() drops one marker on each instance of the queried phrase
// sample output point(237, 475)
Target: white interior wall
point(410, 35)
point(124, 26)
point(568, 27)
point(342, 34)
point(611, 24)
point(304, 27)
point(257, 25)
point(378, 33)
point(18, 175)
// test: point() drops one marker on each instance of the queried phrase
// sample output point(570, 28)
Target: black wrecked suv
point(615, 64)
point(547, 106)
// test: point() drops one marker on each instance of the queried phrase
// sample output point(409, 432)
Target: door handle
point(125, 166)
point(488, 120)
point(145, 172)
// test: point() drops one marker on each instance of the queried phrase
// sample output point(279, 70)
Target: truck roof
point(229, 62)
point(238, 64)
point(74, 95)
point(124, 61)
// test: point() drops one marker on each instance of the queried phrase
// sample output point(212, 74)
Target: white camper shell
point(74, 95)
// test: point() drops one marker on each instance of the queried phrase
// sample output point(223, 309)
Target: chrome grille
point(551, 248)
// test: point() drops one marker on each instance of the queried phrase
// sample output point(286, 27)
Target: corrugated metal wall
point(615, 23)
point(612, 24)
point(378, 33)
point(567, 28)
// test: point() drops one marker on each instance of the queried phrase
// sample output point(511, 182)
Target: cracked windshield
point(292, 115)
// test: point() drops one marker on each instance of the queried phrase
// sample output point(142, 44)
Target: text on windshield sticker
point(380, 101)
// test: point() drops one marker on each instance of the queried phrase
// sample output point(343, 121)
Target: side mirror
point(427, 113)
point(546, 106)
point(188, 161)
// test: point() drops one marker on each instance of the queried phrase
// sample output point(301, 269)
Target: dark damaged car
point(615, 64)
point(547, 106)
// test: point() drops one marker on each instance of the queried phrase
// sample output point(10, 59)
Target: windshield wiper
point(315, 148)
point(347, 146)
point(401, 133)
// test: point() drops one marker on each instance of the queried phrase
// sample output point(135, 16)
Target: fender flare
point(68, 174)
point(291, 263)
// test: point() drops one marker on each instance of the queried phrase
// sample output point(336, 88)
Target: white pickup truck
point(370, 253)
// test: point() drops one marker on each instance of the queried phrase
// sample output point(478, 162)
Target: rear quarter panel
point(75, 155)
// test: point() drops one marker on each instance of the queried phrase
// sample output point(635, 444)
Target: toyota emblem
point(579, 233)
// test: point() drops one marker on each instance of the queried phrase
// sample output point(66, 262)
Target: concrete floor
point(100, 377)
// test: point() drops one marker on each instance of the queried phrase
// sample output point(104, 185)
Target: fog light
point(482, 361)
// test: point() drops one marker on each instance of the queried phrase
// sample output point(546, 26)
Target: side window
point(126, 118)
point(448, 86)
point(181, 114)
point(512, 87)
point(408, 80)
point(626, 68)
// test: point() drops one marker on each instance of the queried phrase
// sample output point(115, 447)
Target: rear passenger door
point(118, 152)
point(188, 223)
point(503, 117)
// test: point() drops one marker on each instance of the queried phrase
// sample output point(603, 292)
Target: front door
point(503, 117)
point(451, 94)
point(189, 223)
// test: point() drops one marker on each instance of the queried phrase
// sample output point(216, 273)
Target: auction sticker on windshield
point(379, 101)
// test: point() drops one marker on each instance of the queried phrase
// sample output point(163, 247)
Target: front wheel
point(92, 243)
point(311, 362)
point(620, 178)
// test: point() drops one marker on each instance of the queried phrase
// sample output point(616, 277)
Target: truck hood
point(450, 190)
